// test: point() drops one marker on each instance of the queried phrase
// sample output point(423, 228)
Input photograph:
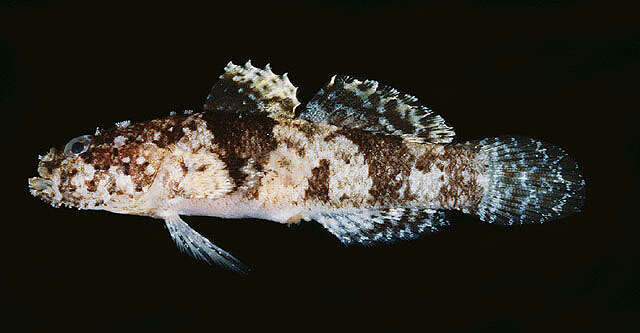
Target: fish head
point(135, 168)
point(112, 171)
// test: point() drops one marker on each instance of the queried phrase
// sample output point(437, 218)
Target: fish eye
point(77, 145)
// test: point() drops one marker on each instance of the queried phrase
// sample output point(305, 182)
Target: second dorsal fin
point(370, 106)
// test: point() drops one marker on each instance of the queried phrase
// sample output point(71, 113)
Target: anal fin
point(196, 245)
point(382, 225)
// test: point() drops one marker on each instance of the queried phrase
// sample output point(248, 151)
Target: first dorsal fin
point(370, 106)
point(372, 226)
point(248, 89)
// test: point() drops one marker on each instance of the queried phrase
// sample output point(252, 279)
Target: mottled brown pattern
point(159, 133)
point(241, 138)
point(345, 157)
point(408, 196)
point(387, 157)
point(395, 118)
point(423, 163)
point(131, 152)
point(309, 129)
point(52, 164)
point(331, 136)
point(229, 96)
point(169, 129)
point(65, 183)
point(284, 162)
point(101, 157)
point(458, 192)
point(300, 150)
point(319, 182)
point(92, 185)
point(183, 166)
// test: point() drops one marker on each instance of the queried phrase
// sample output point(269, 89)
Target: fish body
point(367, 162)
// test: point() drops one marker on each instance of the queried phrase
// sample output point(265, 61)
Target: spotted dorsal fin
point(248, 89)
point(370, 106)
point(372, 226)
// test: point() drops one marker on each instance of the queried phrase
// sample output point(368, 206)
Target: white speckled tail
point(528, 181)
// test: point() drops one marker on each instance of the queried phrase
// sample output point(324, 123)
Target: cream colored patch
point(119, 141)
point(195, 140)
point(287, 175)
point(206, 176)
point(426, 186)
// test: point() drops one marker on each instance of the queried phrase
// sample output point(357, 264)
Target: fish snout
point(43, 186)
point(38, 184)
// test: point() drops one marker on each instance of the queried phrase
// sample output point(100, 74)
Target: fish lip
point(38, 184)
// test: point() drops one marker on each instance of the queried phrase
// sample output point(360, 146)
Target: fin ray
point(528, 181)
point(247, 89)
point(196, 245)
point(368, 105)
point(383, 225)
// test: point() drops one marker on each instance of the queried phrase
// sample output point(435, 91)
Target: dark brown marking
point(300, 150)
point(284, 162)
point(228, 96)
point(387, 157)
point(192, 125)
point(144, 132)
point(319, 182)
point(408, 195)
point(240, 138)
point(364, 86)
point(456, 191)
point(159, 132)
point(423, 163)
point(395, 118)
point(309, 129)
point(346, 157)
point(183, 165)
point(202, 168)
point(331, 136)
point(65, 180)
point(92, 185)
point(375, 100)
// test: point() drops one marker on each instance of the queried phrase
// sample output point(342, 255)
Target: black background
point(563, 72)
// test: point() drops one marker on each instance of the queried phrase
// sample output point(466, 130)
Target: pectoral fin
point(191, 242)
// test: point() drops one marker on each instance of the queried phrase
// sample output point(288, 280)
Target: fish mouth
point(43, 186)
point(38, 184)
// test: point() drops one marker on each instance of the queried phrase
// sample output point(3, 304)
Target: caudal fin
point(528, 181)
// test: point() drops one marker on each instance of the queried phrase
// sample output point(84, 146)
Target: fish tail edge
point(528, 181)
